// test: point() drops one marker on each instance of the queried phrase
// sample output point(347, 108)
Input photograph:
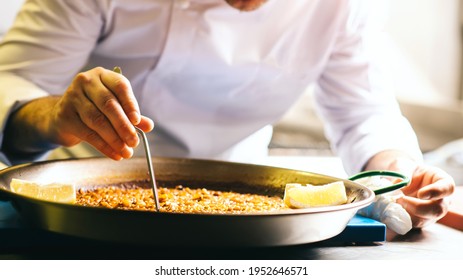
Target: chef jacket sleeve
point(354, 95)
point(56, 35)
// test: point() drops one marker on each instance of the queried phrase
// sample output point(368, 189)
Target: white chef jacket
point(211, 77)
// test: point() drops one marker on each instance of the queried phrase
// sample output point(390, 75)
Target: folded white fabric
point(385, 209)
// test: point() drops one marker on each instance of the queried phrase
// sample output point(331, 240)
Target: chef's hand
point(426, 198)
point(99, 107)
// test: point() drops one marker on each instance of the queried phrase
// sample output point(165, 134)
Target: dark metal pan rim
point(28, 166)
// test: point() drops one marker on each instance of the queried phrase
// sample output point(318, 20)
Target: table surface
point(436, 241)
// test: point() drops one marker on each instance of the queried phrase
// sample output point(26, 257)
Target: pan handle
point(405, 180)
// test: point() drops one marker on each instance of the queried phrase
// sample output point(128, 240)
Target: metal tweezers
point(117, 69)
point(150, 166)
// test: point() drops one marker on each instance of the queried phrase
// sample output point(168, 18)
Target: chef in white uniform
point(211, 77)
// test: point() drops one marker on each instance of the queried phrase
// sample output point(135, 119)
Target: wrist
point(27, 127)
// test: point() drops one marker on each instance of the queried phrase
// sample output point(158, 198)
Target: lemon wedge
point(57, 192)
point(298, 196)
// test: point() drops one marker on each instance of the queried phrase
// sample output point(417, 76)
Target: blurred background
point(424, 43)
point(424, 40)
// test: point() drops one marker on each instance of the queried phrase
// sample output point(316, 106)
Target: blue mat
point(362, 229)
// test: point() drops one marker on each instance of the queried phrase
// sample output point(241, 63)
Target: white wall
point(425, 37)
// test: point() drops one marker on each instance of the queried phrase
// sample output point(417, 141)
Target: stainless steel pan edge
point(173, 229)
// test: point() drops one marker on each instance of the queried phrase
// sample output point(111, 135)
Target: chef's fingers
point(146, 124)
point(90, 136)
point(109, 106)
point(122, 90)
point(430, 182)
point(97, 129)
point(438, 189)
point(424, 212)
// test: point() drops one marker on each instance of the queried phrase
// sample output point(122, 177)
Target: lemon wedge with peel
point(57, 192)
point(298, 196)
